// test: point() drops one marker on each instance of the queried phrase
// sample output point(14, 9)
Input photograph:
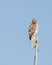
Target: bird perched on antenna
point(33, 29)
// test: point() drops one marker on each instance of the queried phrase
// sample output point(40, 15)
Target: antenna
point(35, 44)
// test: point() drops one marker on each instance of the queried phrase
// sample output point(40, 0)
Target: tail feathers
point(29, 37)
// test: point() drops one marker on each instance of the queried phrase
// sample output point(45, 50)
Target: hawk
point(33, 29)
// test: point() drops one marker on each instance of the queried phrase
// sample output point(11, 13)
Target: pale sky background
point(15, 18)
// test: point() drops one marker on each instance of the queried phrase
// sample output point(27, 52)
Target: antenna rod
point(36, 54)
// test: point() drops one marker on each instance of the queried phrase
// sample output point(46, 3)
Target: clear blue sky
point(15, 17)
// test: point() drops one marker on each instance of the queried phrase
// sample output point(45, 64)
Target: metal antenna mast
point(35, 44)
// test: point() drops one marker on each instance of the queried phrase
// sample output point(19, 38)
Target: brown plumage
point(33, 28)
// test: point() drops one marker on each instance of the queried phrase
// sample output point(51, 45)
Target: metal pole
point(36, 54)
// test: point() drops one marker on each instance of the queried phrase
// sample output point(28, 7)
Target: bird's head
point(34, 21)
